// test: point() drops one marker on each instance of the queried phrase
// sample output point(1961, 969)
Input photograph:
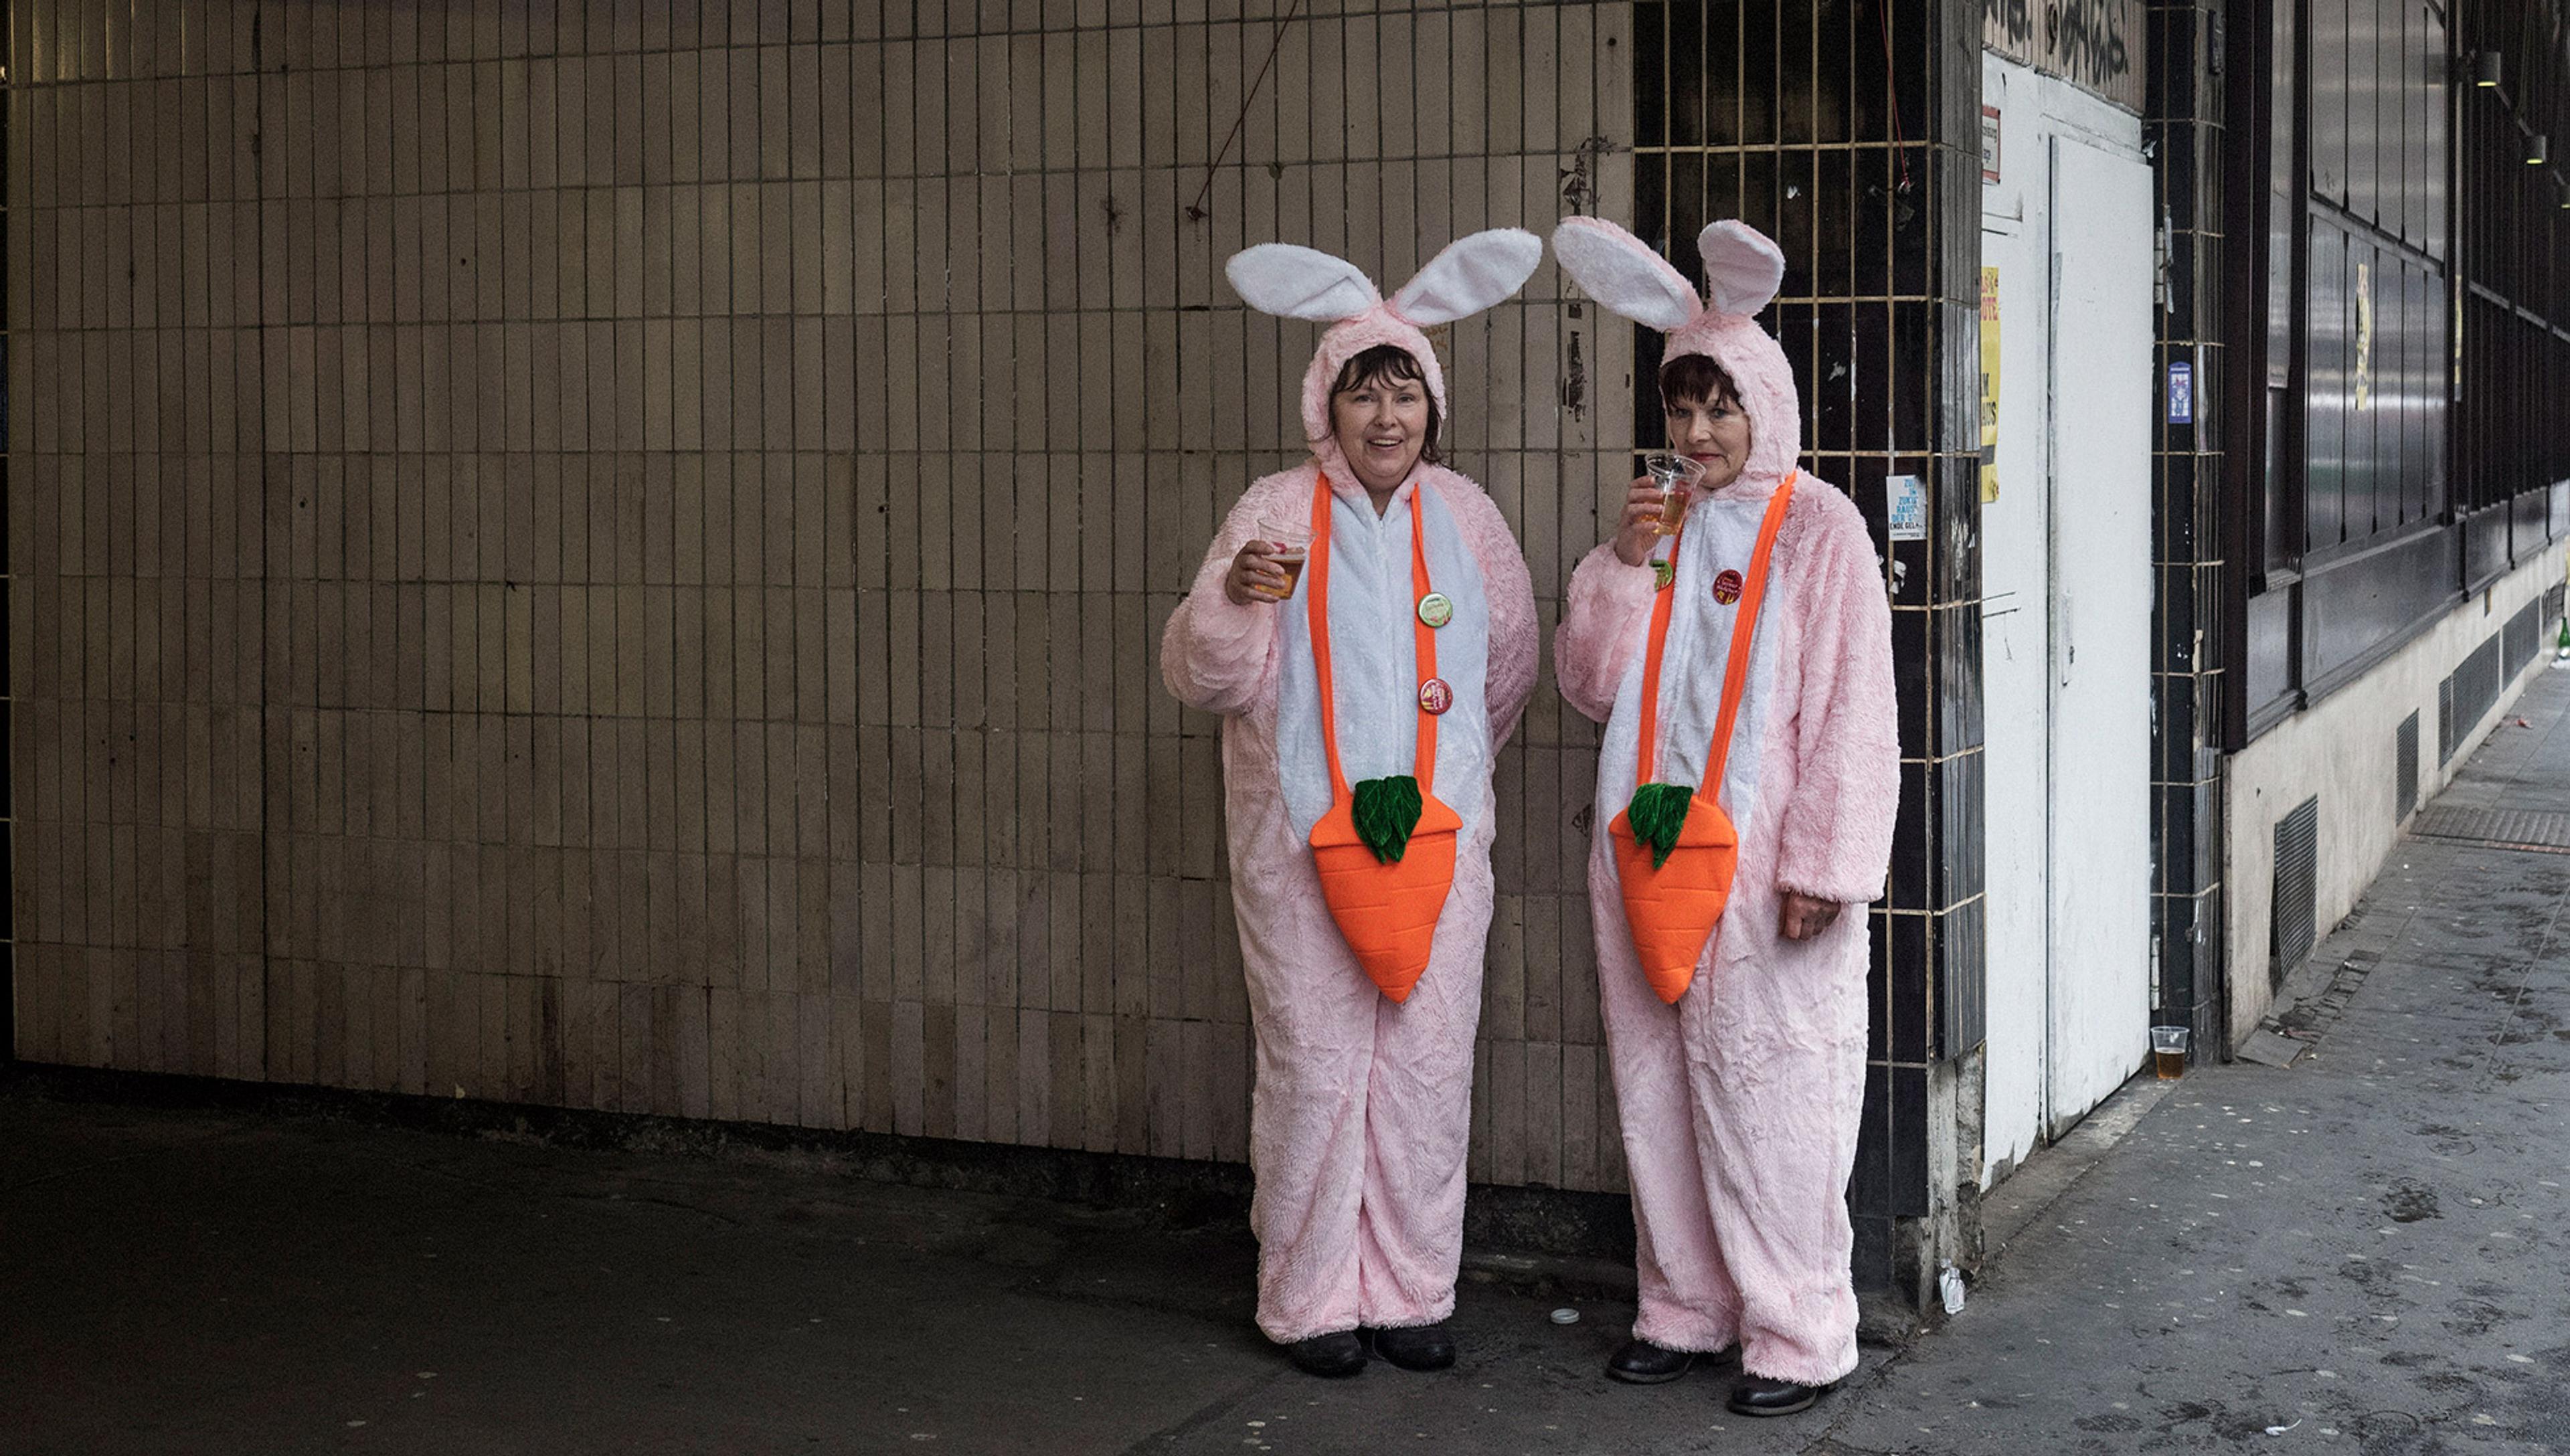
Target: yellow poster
point(1990, 385)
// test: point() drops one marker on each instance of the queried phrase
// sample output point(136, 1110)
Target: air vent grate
point(2289, 930)
point(2404, 784)
point(2524, 634)
point(2445, 721)
point(2474, 687)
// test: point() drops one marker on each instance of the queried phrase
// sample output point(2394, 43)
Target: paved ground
point(2365, 1250)
point(2362, 1250)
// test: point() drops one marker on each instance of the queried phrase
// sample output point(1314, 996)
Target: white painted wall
point(2066, 619)
point(2344, 749)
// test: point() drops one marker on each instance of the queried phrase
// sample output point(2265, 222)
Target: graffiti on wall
point(2093, 44)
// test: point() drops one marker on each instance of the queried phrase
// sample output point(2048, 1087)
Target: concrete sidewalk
point(2362, 1250)
point(216, 1282)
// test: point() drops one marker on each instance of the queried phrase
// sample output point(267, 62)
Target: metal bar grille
point(2524, 634)
point(2290, 927)
point(2476, 685)
point(2523, 828)
point(2405, 788)
point(2445, 720)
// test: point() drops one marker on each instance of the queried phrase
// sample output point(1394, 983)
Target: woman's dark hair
point(1392, 364)
point(1694, 379)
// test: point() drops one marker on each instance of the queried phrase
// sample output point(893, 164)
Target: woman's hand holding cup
point(1255, 576)
point(1267, 568)
point(1639, 531)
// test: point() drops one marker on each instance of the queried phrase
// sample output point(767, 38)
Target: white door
point(2066, 624)
point(2099, 1009)
point(2016, 675)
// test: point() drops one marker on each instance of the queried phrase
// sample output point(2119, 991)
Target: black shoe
point(1759, 1395)
point(1417, 1347)
point(1641, 1362)
point(1337, 1353)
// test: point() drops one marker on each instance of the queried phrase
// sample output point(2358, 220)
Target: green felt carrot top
point(1386, 811)
point(1657, 813)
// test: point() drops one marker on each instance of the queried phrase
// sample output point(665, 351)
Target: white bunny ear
point(1622, 273)
point(1742, 265)
point(1300, 282)
point(1472, 274)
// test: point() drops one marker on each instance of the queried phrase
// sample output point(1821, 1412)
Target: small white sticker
point(1906, 505)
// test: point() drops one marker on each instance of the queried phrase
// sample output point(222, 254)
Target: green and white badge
point(1436, 608)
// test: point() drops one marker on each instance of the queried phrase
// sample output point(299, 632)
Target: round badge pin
point(1435, 696)
point(1436, 608)
point(1726, 587)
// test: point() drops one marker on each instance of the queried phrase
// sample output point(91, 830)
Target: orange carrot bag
point(1675, 868)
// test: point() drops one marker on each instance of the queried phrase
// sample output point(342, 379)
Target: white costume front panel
point(1373, 661)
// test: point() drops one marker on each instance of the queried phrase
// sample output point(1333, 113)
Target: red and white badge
point(1435, 696)
point(1726, 587)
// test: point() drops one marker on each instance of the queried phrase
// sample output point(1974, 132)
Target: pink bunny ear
point(1742, 265)
point(1622, 273)
point(1472, 274)
point(1300, 282)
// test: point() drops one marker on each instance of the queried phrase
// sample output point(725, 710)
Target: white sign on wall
point(1905, 507)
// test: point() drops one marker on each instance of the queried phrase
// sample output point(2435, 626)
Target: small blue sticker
point(2181, 393)
point(1904, 504)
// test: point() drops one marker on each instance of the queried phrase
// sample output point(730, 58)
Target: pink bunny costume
point(1740, 1103)
point(1363, 1106)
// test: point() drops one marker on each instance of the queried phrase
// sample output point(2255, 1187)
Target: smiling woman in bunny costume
point(1363, 701)
point(1736, 1025)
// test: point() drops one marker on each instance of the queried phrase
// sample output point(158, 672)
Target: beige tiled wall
point(610, 555)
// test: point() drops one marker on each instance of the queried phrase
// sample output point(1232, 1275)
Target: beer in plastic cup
point(1290, 546)
point(2168, 1051)
point(1677, 476)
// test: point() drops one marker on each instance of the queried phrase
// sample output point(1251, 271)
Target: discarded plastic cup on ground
point(2168, 1051)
